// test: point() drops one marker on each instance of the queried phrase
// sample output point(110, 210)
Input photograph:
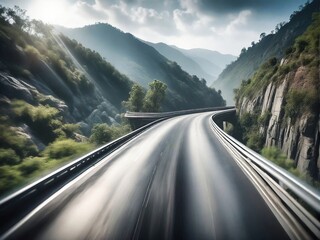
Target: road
point(173, 181)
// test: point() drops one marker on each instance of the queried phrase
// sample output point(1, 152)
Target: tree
point(101, 133)
point(154, 96)
point(135, 101)
point(243, 51)
point(262, 35)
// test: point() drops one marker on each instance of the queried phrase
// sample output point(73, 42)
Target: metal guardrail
point(301, 199)
point(17, 205)
point(152, 115)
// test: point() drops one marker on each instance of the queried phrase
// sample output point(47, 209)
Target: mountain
point(58, 99)
point(279, 105)
point(216, 58)
point(187, 63)
point(210, 61)
point(51, 70)
point(142, 64)
point(272, 45)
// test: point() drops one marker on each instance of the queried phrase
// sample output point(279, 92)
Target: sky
point(222, 25)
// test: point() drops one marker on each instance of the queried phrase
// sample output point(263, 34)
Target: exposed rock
point(298, 140)
point(14, 88)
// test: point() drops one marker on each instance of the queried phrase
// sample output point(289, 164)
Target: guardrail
point(17, 205)
point(152, 115)
point(300, 202)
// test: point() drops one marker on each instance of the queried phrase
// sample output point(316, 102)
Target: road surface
point(174, 181)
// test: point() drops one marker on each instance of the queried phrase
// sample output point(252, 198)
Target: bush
point(264, 118)
point(275, 155)
point(65, 148)
point(103, 133)
point(32, 53)
point(10, 139)
point(70, 129)
point(255, 141)
point(300, 101)
point(9, 179)
point(29, 166)
point(8, 157)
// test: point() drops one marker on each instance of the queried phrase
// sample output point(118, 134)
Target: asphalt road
point(174, 181)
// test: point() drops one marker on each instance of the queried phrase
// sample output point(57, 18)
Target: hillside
point(279, 106)
point(52, 93)
point(272, 45)
point(212, 62)
point(59, 99)
point(142, 63)
point(187, 63)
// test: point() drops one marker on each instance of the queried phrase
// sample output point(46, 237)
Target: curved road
point(173, 181)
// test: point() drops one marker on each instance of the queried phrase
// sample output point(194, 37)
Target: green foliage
point(247, 131)
point(10, 178)
point(136, 97)
point(40, 118)
point(60, 149)
point(300, 101)
point(70, 129)
point(103, 133)
point(30, 166)
point(32, 52)
point(20, 144)
point(8, 157)
point(275, 155)
point(154, 96)
point(263, 120)
point(255, 140)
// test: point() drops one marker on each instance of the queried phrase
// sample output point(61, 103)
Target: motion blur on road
point(174, 181)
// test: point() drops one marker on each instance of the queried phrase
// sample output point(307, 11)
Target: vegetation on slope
point(43, 94)
point(139, 101)
point(300, 68)
point(270, 45)
point(143, 64)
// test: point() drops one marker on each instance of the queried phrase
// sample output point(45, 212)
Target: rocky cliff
point(283, 98)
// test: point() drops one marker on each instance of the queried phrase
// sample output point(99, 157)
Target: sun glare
point(49, 11)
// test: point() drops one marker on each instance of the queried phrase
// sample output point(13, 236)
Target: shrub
point(264, 119)
point(103, 133)
point(255, 140)
point(70, 129)
point(275, 155)
point(64, 148)
point(21, 145)
point(9, 179)
point(8, 157)
point(32, 52)
point(300, 101)
point(29, 166)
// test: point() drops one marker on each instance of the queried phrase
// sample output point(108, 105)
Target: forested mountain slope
point(271, 45)
point(142, 63)
point(280, 105)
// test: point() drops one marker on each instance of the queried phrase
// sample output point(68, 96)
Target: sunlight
point(49, 11)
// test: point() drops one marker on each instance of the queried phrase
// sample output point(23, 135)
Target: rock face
point(299, 140)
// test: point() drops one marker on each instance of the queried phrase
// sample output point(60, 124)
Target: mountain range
point(204, 63)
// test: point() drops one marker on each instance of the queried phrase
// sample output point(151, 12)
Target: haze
point(223, 25)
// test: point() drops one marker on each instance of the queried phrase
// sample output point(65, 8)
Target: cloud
point(223, 25)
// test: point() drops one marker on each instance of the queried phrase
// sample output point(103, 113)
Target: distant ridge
point(272, 45)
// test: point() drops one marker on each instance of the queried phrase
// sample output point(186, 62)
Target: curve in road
point(173, 181)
